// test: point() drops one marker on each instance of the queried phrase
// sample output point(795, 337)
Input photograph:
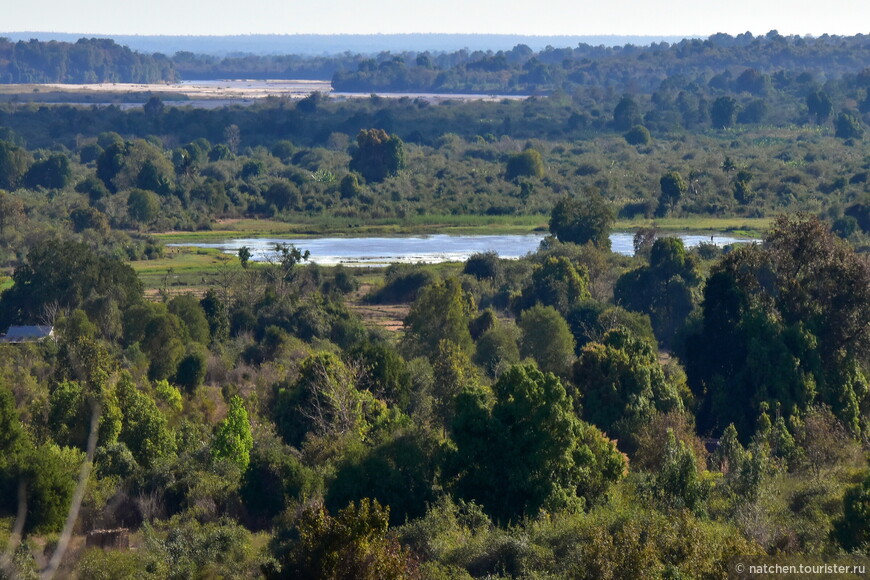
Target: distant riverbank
point(204, 93)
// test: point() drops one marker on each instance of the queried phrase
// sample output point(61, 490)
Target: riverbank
point(452, 225)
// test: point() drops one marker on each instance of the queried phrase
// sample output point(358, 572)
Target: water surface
point(433, 249)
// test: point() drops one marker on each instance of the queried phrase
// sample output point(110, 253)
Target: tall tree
point(442, 311)
point(377, 154)
point(528, 451)
point(582, 220)
point(785, 323)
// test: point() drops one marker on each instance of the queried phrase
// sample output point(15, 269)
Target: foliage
point(678, 483)
point(66, 274)
point(498, 348)
point(788, 326)
point(663, 290)
point(232, 439)
point(377, 155)
point(275, 479)
point(191, 370)
point(401, 474)
point(546, 338)
point(558, 283)
point(441, 311)
point(323, 401)
point(525, 164)
point(673, 186)
point(621, 385)
point(583, 220)
point(353, 544)
point(528, 451)
point(853, 530)
point(145, 431)
point(638, 135)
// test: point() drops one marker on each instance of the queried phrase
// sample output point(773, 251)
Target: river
point(378, 251)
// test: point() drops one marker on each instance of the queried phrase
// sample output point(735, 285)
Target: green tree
point(14, 162)
point(14, 443)
point(377, 155)
point(638, 135)
point(848, 126)
point(558, 283)
point(143, 206)
point(145, 431)
point(232, 438)
point(452, 372)
point(66, 274)
point(722, 112)
point(323, 401)
point(386, 374)
point(137, 163)
point(11, 210)
point(89, 219)
point(188, 309)
point(163, 341)
point(819, 106)
point(498, 348)
point(546, 338)
point(352, 545)
point(53, 172)
point(622, 385)
point(785, 323)
point(678, 485)
point(275, 478)
point(442, 311)
point(663, 290)
point(400, 473)
point(350, 187)
point(525, 164)
point(626, 114)
point(852, 531)
point(191, 370)
point(583, 220)
point(50, 474)
point(673, 187)
point(216, 315)
point(528, 451)
point(283, 194)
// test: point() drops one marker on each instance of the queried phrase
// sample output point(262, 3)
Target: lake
point(378, 251)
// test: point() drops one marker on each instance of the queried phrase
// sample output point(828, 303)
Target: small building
point(19, 334)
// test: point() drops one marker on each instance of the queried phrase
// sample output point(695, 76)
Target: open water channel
point(378, 251)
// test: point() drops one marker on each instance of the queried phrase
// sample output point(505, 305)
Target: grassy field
point(184, 269)
point(748, 227)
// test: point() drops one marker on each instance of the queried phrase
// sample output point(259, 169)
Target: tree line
point(89, 60)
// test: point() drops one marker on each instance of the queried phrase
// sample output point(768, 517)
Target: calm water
point(373, 251)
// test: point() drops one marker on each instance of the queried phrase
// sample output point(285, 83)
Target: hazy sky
point(542, 17)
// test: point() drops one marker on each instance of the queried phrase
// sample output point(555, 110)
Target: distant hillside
point(321, 44)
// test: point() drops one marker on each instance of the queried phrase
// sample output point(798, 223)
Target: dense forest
point(89, 60)
point(571, 414)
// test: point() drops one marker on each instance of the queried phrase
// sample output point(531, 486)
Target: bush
point(638, 135)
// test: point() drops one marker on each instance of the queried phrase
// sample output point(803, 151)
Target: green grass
point(444, 224)
point(749, 227)
point(352, 227)
point(187, 267)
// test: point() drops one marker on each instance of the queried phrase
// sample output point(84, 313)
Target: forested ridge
point(571, 414)
point(89, 60)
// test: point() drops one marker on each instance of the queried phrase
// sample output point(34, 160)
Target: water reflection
point(375, 251)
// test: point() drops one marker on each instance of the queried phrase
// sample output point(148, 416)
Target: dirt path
point(387, 316)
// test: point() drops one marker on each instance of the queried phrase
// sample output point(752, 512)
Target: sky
point(526, 17)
